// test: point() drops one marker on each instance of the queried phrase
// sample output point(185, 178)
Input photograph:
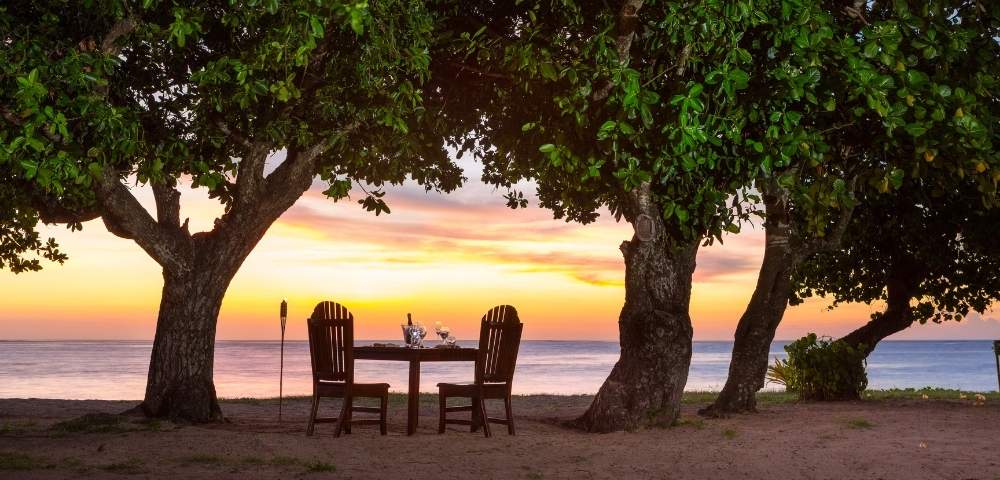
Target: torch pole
point(281, 371)
point(996, 352)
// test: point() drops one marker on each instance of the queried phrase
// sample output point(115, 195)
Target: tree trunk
point(901, 286)
point(180, 385)
point(896, 317)
point(757, 326)
point(646, 384)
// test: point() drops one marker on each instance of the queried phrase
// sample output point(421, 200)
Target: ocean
point(117, 369)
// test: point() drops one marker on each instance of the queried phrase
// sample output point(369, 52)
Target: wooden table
point(415, 356)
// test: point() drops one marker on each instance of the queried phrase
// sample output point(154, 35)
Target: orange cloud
point(445, 258)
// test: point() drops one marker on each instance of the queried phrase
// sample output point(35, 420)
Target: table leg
point(413, 398)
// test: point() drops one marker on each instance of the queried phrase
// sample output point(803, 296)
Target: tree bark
point(900, 289)
point(784, 250)
point(757, 326)
point(646, 384)
point(197, 271)
point(180, 385)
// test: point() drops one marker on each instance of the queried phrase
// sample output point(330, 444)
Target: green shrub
point(781, 374)
point(823, 369)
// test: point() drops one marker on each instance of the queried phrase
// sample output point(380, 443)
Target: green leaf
point(896, 177)
point(915, 129)
point(740, 78)
point(607, 128)
point(548, 147)
point(548, 71)
point(317, 27)
point(681, 213)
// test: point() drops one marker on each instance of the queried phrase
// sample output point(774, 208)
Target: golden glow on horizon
point(442, 258)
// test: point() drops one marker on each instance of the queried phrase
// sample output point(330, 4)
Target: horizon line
point(471, 339)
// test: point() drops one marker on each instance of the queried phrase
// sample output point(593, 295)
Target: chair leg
point(475, 416)
point(312, 415)
point(484, 418)
point(443, 401)
point(383, 428)
point(349, 404)
point(342, 419)
point(510, 415)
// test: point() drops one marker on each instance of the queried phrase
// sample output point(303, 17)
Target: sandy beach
point(896, 434)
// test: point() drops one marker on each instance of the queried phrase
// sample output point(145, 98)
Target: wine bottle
point(409, 319)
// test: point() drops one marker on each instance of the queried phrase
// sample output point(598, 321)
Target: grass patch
point(282, 461)
point(859, 424)
point(106, 423)
point(12, 461)
point(130, 467)
point(17, 428)
point(778, 398)
point(319, 467)
point(729, 433)
point(315, 466)
point(695, 422)
point(203, 459)
point(152, 424)
point(763, 398)
point(93, 423)
point(918, 394)
point(766, 398)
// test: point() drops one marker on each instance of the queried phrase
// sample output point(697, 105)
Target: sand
point(905, 438)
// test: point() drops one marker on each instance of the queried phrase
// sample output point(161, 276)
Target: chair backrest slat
point(499, 339)
point(331, 342)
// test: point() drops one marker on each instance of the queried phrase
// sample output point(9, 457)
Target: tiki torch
point(281, 371)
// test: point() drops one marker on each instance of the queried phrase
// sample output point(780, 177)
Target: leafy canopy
point(713, 96)
point(939, 246)
point(159, 91)
point(936, 68)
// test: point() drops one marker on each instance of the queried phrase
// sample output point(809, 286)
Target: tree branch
point(240, 139)
point(479, 71)
point(168, 204)
point(857, 11)
point(51, 211)
point(109, 45)
point(250, 173)
point(125, 217)
point(836, 236)
point(11, 118)
point(628, 19)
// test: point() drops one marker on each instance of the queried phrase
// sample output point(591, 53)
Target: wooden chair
point(331, 347)
point(499, 339)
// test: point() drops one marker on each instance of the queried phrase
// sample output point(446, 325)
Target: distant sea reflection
point(117, 369)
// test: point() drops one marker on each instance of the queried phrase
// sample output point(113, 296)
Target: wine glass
point(442, 332)
point(421, 333)
point(450, 340)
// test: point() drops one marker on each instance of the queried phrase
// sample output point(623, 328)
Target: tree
point(914, 102)
point(663, 112)
point(101, 94)
point(930, 255)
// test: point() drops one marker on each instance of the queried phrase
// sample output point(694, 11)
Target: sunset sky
point(444, 258)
